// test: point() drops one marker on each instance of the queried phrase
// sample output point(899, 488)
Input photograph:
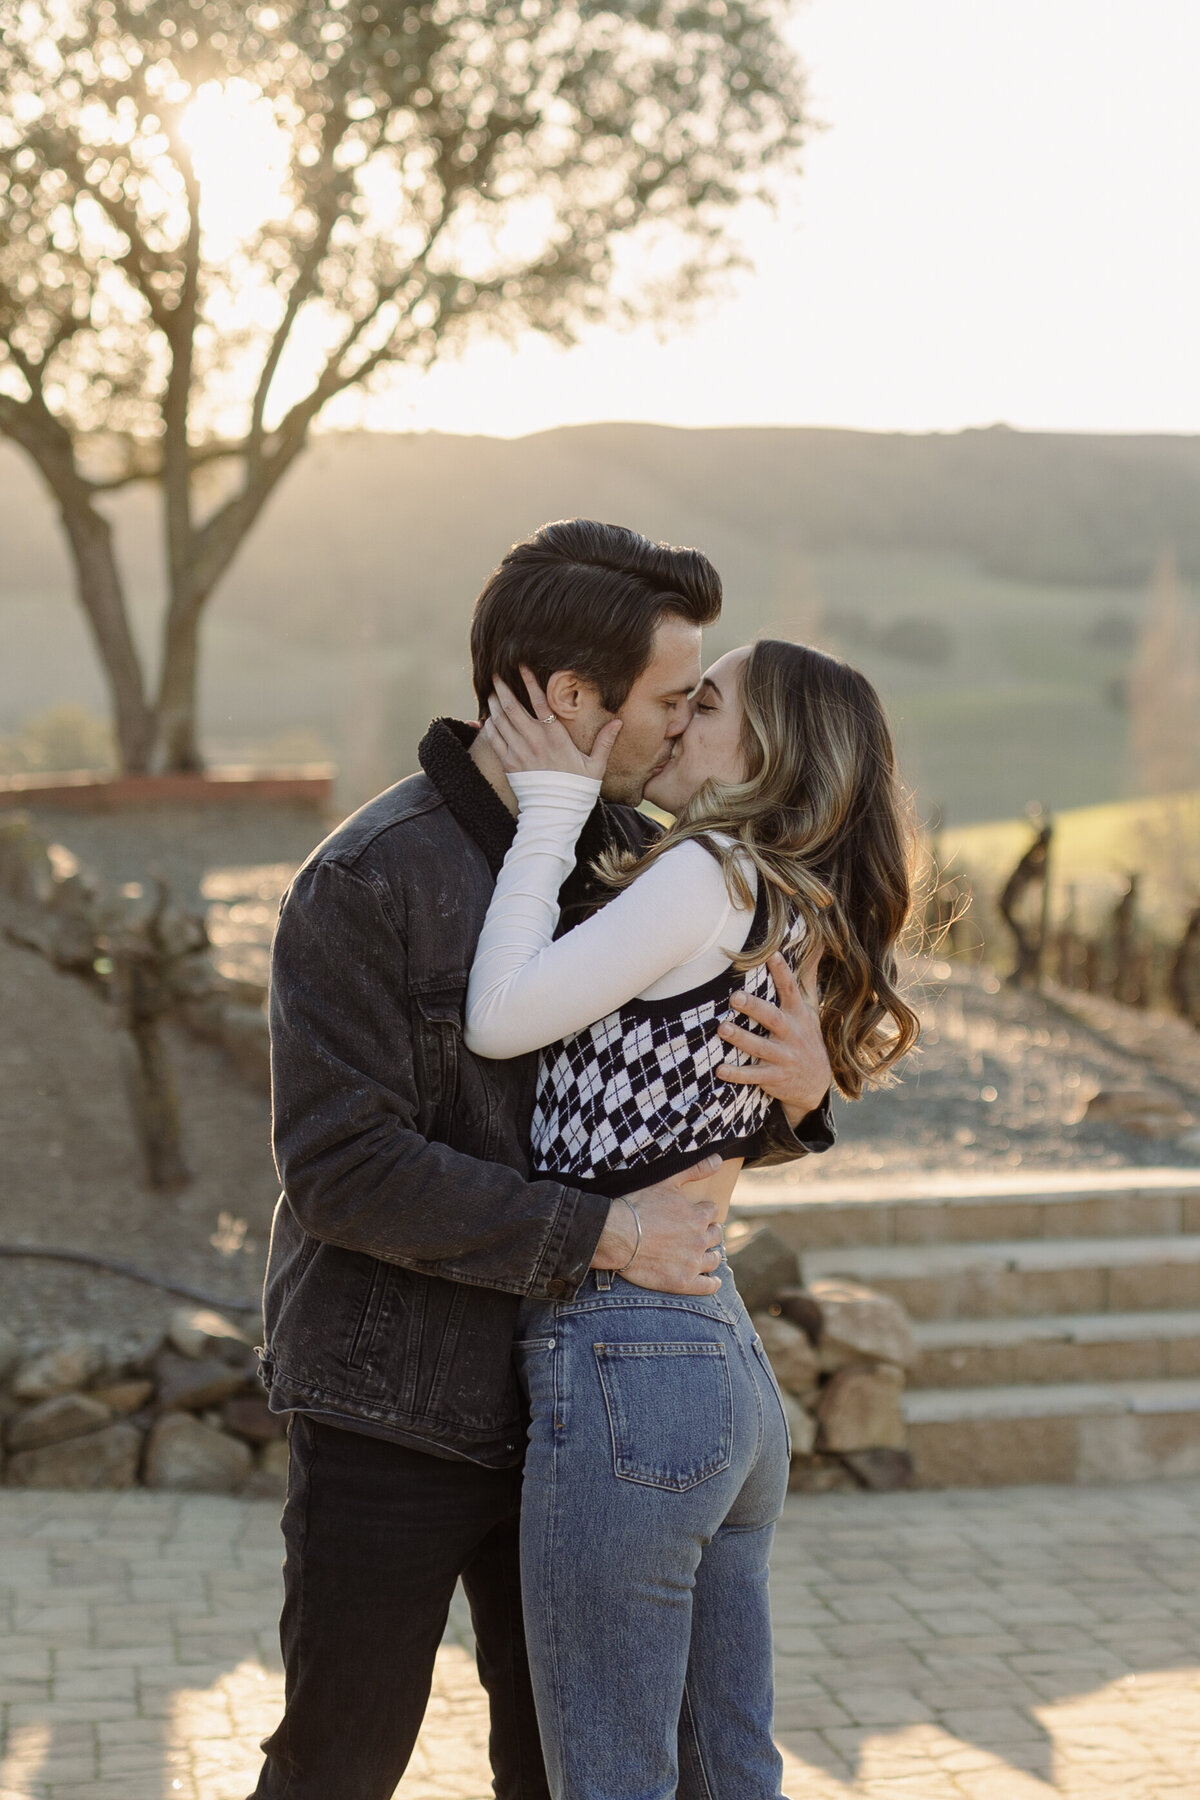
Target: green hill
point(989, 581)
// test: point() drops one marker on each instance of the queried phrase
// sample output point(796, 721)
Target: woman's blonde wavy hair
point(821, 816)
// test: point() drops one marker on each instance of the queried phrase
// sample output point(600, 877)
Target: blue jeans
point(657, 1467)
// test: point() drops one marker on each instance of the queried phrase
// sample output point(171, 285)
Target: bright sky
point(999, 223)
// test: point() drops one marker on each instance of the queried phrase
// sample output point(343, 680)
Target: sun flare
point(239, 152)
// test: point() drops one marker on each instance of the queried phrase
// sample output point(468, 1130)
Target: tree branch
point(112, 484)
point(49, 445)
point(305, 284)
point(139, 261)
point(176, 461)
point(198, 456)
point(31, 371)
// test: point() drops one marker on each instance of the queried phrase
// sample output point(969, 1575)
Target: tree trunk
point(142, 969)
point(197, 560)
point(89, 536)
point(1033, 867)
point(178, 737)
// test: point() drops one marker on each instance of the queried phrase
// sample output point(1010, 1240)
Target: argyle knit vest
point(635, 1097)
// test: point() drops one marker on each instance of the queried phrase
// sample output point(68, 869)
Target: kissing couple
point(523, 1042)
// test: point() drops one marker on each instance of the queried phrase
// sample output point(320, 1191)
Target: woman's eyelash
point(701, 707)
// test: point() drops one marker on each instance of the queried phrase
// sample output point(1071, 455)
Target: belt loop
point(603, 1280)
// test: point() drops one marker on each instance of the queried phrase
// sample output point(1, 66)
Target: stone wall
point(839, 1351)
point(184, 1412)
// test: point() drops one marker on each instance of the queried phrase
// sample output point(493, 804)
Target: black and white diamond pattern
point(639, 1084)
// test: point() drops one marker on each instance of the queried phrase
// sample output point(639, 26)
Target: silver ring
point(551, 720)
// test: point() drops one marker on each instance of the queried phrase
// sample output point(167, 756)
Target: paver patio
point(939, 1646)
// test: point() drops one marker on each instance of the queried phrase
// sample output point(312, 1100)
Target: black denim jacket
point(408, 1230)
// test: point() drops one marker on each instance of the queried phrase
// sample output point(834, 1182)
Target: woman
point(658, 1450)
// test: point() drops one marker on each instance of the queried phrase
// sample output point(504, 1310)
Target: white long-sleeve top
point(672, 929)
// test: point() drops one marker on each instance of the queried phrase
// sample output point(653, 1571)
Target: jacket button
point(556, 1287)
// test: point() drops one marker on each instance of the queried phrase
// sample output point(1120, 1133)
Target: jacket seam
point(349, 856)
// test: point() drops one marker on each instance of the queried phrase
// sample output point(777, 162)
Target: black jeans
point(376, 1537)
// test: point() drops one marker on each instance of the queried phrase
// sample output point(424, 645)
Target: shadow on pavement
point(1004, 1645)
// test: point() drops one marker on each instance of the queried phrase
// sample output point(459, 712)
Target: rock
point(63, 1368)
point(789, 1352)
point(10, 1352)
point(52, 1421)
point(136, 1356)
point(883, 1471)
point(250, 1417)
point(101, 1459)
point(802, 1427)
point(798, 1305)
point(761, 1263)
point(859, 1409)
point(198, 1332)
point(1139, 1111)
point(269, 1480)
point(187, 1457)
point(124, 1396)
point(184, 1385)
point(820, 1475)
point(859, 1325)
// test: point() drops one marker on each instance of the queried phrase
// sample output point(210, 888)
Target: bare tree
point(443, 167)
point(1032, 871)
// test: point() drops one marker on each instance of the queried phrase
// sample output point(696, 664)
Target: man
point(409, 1230)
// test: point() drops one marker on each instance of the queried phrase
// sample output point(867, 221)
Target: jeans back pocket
point(670, 1411)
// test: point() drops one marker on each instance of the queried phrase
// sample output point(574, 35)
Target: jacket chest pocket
point(439, 1026)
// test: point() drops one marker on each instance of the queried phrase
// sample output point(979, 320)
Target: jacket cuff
point(570, 1246)
point(814, 1134)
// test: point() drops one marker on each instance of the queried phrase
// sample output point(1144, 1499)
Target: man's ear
point(568, 695)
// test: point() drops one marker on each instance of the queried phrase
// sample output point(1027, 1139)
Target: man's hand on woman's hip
point(678, 1247)
point(791, 1062)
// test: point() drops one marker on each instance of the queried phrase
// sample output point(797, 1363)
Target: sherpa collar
point(474, 802)
point(470, 797)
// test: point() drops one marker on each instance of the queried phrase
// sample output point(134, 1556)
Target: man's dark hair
point(587, 597)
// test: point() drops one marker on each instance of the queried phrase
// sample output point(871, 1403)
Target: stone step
point(1054, 1432)
point(1089, 1347)
point(1024, 1279)
point(966, 1208)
